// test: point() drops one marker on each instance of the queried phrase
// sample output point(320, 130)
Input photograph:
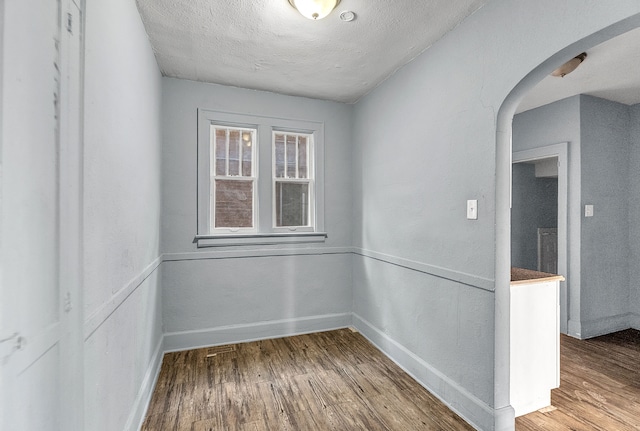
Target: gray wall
point(214, 289)
point(598, 132)
point(605, 154)
point(534, 205)
point(423, 144)
point(122, 145)
point(437, 118)
point(634, 216)
point(547, 125)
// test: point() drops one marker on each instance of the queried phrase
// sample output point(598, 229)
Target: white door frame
point(70, 178)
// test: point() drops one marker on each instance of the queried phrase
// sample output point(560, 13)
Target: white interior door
point(38, 317)
point(548, 250)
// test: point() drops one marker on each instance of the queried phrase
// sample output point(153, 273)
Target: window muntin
point(233, 179)
point(293, 185)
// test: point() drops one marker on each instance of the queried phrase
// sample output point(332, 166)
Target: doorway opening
point(539, 202)
point(534, 215)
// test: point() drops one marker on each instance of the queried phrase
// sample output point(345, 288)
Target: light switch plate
point(472, 209)
point(588, 210)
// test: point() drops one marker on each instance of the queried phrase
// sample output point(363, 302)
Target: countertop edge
point(538, 280)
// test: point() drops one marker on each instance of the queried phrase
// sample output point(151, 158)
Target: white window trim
point(264, 233)
point(260, 239)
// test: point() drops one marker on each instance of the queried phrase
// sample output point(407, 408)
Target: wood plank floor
point(599, 386)
point(332, 380)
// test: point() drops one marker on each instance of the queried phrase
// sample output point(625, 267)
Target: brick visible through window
point(233, 204)
point(232, 177)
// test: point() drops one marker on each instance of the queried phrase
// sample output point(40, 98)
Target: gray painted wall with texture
point(209, 290)
point(122, 145)
point(438, 115)
point(605, 152)
point(634, 216)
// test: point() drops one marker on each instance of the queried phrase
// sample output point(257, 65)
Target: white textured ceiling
point(610, 71)
point(268, 45)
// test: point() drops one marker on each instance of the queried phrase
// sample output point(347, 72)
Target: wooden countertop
point(523, 276)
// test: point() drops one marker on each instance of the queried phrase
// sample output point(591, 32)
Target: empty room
point(297, 215)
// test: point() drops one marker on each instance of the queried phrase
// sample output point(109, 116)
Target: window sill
point(259, 239)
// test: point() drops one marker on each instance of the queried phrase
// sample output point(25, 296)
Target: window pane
point(234, 152)
point(279, 143)
point(291, 156)
point(302, 157)
point(221, 152)
point(247, 147)
point(292, 204)
point(234, 203)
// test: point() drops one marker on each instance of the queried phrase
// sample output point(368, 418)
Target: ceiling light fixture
point(569, 66)
point(314, 9)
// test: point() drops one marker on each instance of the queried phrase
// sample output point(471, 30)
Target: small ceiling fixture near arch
point(569, 66)
point(314, 9)
point(347, 16)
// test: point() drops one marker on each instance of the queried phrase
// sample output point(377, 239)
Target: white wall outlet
point(472, 209)
point(588, 210)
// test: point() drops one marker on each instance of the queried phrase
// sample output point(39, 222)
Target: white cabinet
point(535, 343)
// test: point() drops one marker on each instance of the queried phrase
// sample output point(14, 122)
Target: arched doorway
point(503, 185)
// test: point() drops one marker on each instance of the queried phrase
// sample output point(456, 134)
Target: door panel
point(33, 70)
point(548, 250)
point(36, 407)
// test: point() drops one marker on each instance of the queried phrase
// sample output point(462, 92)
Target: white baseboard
point(574, 329)
point(504, 419)
point(605, 325)
point(634, 321)
point(466, 405)
point(141, 403)
point(175, 341)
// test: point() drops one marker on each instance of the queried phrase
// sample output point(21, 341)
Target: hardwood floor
point(599, 386)
point(338, 381)
point(325, 381)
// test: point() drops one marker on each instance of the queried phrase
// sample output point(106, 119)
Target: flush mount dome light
point(569, 66)
point(314, 9)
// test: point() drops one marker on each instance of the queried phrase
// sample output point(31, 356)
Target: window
point(260, 180)
point(233, 180)
point(293, 181)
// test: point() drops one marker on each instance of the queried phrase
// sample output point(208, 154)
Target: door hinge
point(70, 23)
point(11, 343)
point(67, 302)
